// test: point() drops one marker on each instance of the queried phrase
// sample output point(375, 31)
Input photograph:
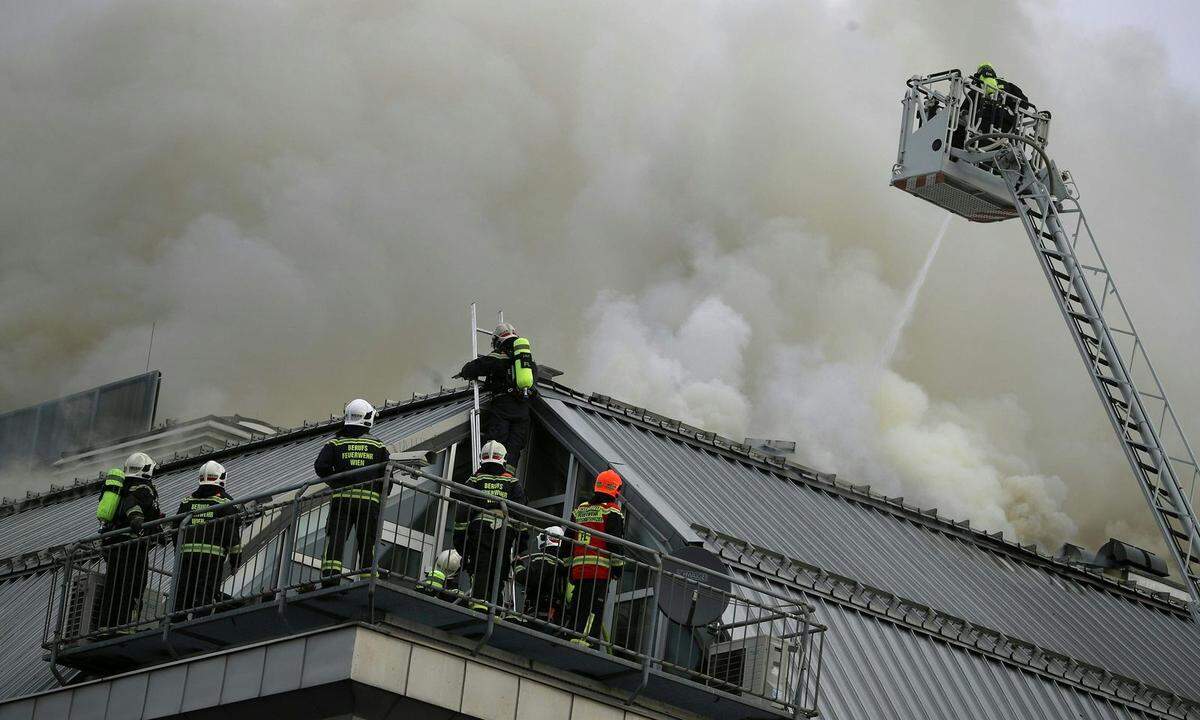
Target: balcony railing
point(741, 640)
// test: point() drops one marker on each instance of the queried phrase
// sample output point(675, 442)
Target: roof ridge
point(1029, 554)
point(81, 487)
point(946, 627)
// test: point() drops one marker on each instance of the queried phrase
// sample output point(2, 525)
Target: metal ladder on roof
point(1154, 444)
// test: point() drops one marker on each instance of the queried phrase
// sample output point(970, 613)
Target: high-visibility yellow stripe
point(594, 560)
point(331, 565)
point(202, 548)
point(358, 441)
point(358, 494)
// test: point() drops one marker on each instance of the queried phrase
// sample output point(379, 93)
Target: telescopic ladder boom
point(983, 157)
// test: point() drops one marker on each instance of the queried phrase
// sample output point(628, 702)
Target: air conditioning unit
point(760, 665)
point(86, 595)
point(83, 605)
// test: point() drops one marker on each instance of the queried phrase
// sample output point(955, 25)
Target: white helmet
point(550, 537)
point(212, 473)
point(360, 413)
point(448, 561)
point(492, 452)
point(503, 333)
point(139, 465)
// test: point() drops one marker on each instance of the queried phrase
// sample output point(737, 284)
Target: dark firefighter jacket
point(353, 448)
point(139, 505)
point(543, 572)
point(496, 482)
point(213, 527)
point(496, 371)
point(591, 557)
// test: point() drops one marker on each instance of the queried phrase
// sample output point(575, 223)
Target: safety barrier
point(974, 112)
point(388, 527)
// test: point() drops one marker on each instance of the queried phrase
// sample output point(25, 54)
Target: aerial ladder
point(982, 155)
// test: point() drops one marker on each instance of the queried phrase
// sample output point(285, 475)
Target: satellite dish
point(692, 596)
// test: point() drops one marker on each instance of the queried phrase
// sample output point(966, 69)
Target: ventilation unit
point(760, 665)
point(83, 605)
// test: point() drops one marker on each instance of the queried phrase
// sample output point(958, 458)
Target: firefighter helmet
point(448, 561)
point(493, 451)
point(502, 334)
point(550, 537)
point(359, 413)
point(608, 483)
point(212, 473)
point(139, 465)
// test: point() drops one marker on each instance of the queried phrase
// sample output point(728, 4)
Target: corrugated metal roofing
point(876, 669)
point(876, 547)
point(274, 465)
point(22, 613)
point(873, 667)
point(262, 467)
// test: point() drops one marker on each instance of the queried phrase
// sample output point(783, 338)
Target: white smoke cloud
point(305, 197)
point(704, 345)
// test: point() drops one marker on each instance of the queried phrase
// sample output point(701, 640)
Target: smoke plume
point(683, 204)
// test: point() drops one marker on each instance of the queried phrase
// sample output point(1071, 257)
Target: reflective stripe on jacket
point(591, 558)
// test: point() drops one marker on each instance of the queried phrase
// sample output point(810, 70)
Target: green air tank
point(522, 363)
point(110, 499)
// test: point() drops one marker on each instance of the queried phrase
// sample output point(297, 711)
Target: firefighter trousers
point(346, 515)
point(586, 614)
point(506, 420)
point(199, 581)
point(126, 566)
point(487, 559)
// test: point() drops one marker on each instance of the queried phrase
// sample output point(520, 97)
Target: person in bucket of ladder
point(354, 503)
point(593, 563)
point(509, 374)
point(213, 534)
point(480, 523)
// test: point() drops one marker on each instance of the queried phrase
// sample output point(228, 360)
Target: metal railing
point(974, 112)
point(738, 639)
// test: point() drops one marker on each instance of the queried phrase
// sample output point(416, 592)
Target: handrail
point(413, 501)
point(526, 511)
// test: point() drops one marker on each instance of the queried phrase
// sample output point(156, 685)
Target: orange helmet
point(608, 483)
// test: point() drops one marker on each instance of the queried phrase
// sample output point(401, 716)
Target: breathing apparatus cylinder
point(522, 363)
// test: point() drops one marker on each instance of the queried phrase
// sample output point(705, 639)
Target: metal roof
point(926, 560)
point(877, 665)
point(253, 468)
point(873, 668)
point(22, 615)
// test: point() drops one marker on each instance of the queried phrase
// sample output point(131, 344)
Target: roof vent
point(1076, 555)
point(772, 448)
point(1115, 554)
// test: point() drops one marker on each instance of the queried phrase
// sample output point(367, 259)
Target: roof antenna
point(151, 346)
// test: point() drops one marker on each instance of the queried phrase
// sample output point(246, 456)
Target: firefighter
point(213, 534)
point(354, 503)
point(593, 563)
point(508, 373)
point(442, 578)
point(997, 113)
point(126, 554)
point(480, 533)
point(543, 574)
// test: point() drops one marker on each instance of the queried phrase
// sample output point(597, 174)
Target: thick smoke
point(682, 196)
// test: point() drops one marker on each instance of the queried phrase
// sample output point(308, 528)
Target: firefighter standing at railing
point(481, 533)
point(593, 563)
point(213, 534)
point(129, 500)
point(354, 503)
